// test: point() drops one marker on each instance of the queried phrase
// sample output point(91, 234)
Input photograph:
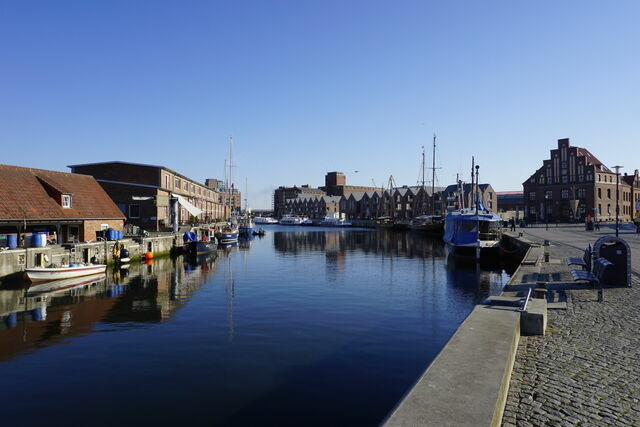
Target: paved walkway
point(586, 370)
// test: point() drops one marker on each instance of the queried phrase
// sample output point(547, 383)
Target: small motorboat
point(63, 272)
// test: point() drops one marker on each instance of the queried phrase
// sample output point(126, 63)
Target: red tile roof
point(27, 193)
point(591, 159)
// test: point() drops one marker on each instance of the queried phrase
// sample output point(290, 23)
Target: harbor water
point(304, 326)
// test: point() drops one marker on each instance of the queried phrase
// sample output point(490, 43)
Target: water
point(302, 327)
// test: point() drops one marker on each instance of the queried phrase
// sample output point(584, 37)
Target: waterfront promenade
point(584, 371)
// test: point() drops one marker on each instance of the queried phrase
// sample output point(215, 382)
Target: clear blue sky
point(305, 87)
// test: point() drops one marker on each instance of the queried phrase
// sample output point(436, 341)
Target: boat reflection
point(38, 315)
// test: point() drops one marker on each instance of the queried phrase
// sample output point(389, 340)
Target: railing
point(526, 301)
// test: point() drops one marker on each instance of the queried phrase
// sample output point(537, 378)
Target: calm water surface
point(305, 326)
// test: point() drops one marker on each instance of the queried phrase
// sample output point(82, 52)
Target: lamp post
point(617, 168)
point(546, 210)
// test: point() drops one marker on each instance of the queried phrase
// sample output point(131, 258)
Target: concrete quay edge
point(467, 383)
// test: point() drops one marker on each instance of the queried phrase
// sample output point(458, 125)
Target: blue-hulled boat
point(473, 232)
point(227, 235)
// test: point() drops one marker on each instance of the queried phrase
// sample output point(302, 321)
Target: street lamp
point(546, 210)
point(617, 168)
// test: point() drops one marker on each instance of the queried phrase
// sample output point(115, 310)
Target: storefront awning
point(188, 206)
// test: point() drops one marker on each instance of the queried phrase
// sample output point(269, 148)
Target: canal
point(304, 326)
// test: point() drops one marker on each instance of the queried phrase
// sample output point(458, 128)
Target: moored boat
point(63, 284)
point(468, 232)
point(36, 274)
point(334, 221)
point(265, 220)
point(431, 224)
point(291, 220)
point(227, 235)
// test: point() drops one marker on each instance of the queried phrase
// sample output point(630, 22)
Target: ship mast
point(433, 176)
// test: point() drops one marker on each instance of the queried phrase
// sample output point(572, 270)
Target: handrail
point(526, 301)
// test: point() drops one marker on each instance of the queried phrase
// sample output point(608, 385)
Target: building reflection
point(339, 242)
point(36, 315)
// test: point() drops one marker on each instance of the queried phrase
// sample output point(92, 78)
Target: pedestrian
point(513, 224)
point(598, 225)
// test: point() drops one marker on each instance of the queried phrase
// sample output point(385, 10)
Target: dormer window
point(66, 201)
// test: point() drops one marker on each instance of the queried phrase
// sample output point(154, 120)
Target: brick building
point(71, 208)
point(573, 184)
point(633, 181)
point(144, 192)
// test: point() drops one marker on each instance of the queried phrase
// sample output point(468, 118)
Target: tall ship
point(429, 223)
point(474, 231)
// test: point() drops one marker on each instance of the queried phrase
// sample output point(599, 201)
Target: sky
point(305, 87)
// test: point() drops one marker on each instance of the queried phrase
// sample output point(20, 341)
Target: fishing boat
point(246, 225)
point(194, 246)
point(227, 235)
point(468, 232)
point(475, 231)
point(37, 274)
point(265, 220)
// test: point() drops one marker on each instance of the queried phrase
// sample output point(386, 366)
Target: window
point(533, 179)
point(565, 179)
point(599, 193)
point(166, 181)
point(134, 211)
point(599, 208)
point(490, 195)
point(582, 193)
point(532, 195)
point(186, 186)
point(176, 183)
point(608, 193)
point(548, 194)
point(564, 194)
point(66, 201)
point(609, 209)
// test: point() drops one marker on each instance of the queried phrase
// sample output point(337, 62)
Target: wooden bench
point(584, 262)
point(595, 276)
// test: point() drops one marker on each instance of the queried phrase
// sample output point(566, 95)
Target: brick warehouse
point(573, 184)
point(71, 208)
point(142, 192)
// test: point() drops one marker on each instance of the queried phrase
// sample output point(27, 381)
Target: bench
point(584, 262)
point(595, 277)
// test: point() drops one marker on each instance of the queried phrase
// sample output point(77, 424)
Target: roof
point(591, 159)
point(27, 193)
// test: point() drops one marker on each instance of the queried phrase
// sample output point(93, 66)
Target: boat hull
point(245, 231)
point(63, 284)
point(199, 248)
point(47, 273)
point(227, 238)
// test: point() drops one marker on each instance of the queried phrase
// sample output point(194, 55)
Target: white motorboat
point(292, 220)
point(37, 274)
point(333, 221)
point(265, 220)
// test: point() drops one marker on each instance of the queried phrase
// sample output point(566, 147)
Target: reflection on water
point(301, 327)
point(42, 313)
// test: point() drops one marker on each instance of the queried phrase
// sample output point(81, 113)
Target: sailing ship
point(228, 233)
point(473, 231)
point(246, 225)
point(429, 223)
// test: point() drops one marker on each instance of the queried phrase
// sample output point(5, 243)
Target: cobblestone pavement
point(586, 370)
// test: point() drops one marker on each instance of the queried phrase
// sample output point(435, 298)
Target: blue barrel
point(38, 240)
point(111, 234)
point(37, 314)
point(12, 241)
point(12, 320)
point(119, 234)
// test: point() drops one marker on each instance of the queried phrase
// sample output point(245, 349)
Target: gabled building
point(69, 207)
point(633, 182)
point(451, 196)
point(573, 184)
